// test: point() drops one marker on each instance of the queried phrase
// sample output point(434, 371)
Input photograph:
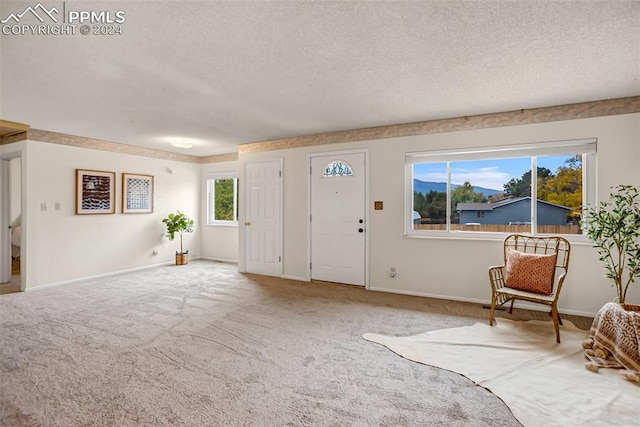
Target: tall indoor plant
point(179, 223)
point(614, 228)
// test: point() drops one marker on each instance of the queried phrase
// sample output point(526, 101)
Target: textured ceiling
point(220, 74)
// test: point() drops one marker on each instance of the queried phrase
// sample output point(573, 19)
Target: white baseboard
point(518, 304)
point(225, 260)
point(97, 276)
point(298, 278)
point(427, 295)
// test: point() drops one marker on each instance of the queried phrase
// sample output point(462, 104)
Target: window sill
point(483, 236)
point(222, 224)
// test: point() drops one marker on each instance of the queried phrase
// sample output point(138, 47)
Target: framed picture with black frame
point(137, 193)
point(95, 192)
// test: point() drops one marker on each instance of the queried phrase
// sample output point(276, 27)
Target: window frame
point(587, 146)
point(210, 183)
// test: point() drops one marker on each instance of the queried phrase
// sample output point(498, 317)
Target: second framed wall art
point(137, 193)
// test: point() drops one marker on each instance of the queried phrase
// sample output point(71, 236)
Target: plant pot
point(182, 259)
point(631, 307)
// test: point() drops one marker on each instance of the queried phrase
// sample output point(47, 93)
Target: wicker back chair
point(501, 293)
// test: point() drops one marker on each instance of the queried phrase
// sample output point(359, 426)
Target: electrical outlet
point(155, 252)
point(43, 206)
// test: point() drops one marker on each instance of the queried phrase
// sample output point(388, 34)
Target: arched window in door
point(337, 168)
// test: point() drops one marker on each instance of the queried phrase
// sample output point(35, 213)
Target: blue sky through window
point(492, 173)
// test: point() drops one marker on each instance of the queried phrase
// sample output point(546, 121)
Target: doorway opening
point(12, 240)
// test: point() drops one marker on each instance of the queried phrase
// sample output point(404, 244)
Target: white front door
point(263, 223)
point(338, 218)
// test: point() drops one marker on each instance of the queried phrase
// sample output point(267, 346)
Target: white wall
point(62, 246)
point(218, 242)
point(445, 267)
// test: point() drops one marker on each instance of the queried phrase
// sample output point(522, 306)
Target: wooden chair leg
point(493, 309)
point(556, 322)
point(559, 317)
point(511, 306)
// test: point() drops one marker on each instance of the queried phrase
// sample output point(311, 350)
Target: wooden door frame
point(310, 156)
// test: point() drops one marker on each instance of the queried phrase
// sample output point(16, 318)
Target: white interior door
point(338, 220)
point(263, 218)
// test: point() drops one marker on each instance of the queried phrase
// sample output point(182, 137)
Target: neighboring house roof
point(475, 206)
point(494, 205)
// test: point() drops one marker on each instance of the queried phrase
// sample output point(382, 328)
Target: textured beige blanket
point(614, 338)
point(543, 383)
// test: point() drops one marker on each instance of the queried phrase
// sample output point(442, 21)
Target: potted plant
point(179, 223)
point(614, 228)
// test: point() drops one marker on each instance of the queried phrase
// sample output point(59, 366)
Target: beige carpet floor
point(543, 383)
point(203, 345)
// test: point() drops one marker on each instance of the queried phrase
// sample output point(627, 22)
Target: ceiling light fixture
point(181, 144)
point(182, 141)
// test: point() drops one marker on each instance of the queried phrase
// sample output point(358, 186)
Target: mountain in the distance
point(425, 186)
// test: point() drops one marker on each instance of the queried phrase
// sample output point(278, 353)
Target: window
point(222, 199)
point(538, 188)
point(337, 168)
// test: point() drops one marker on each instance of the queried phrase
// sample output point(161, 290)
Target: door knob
point(247, 223)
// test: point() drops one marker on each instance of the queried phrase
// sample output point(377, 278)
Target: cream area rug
point(543, 383)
